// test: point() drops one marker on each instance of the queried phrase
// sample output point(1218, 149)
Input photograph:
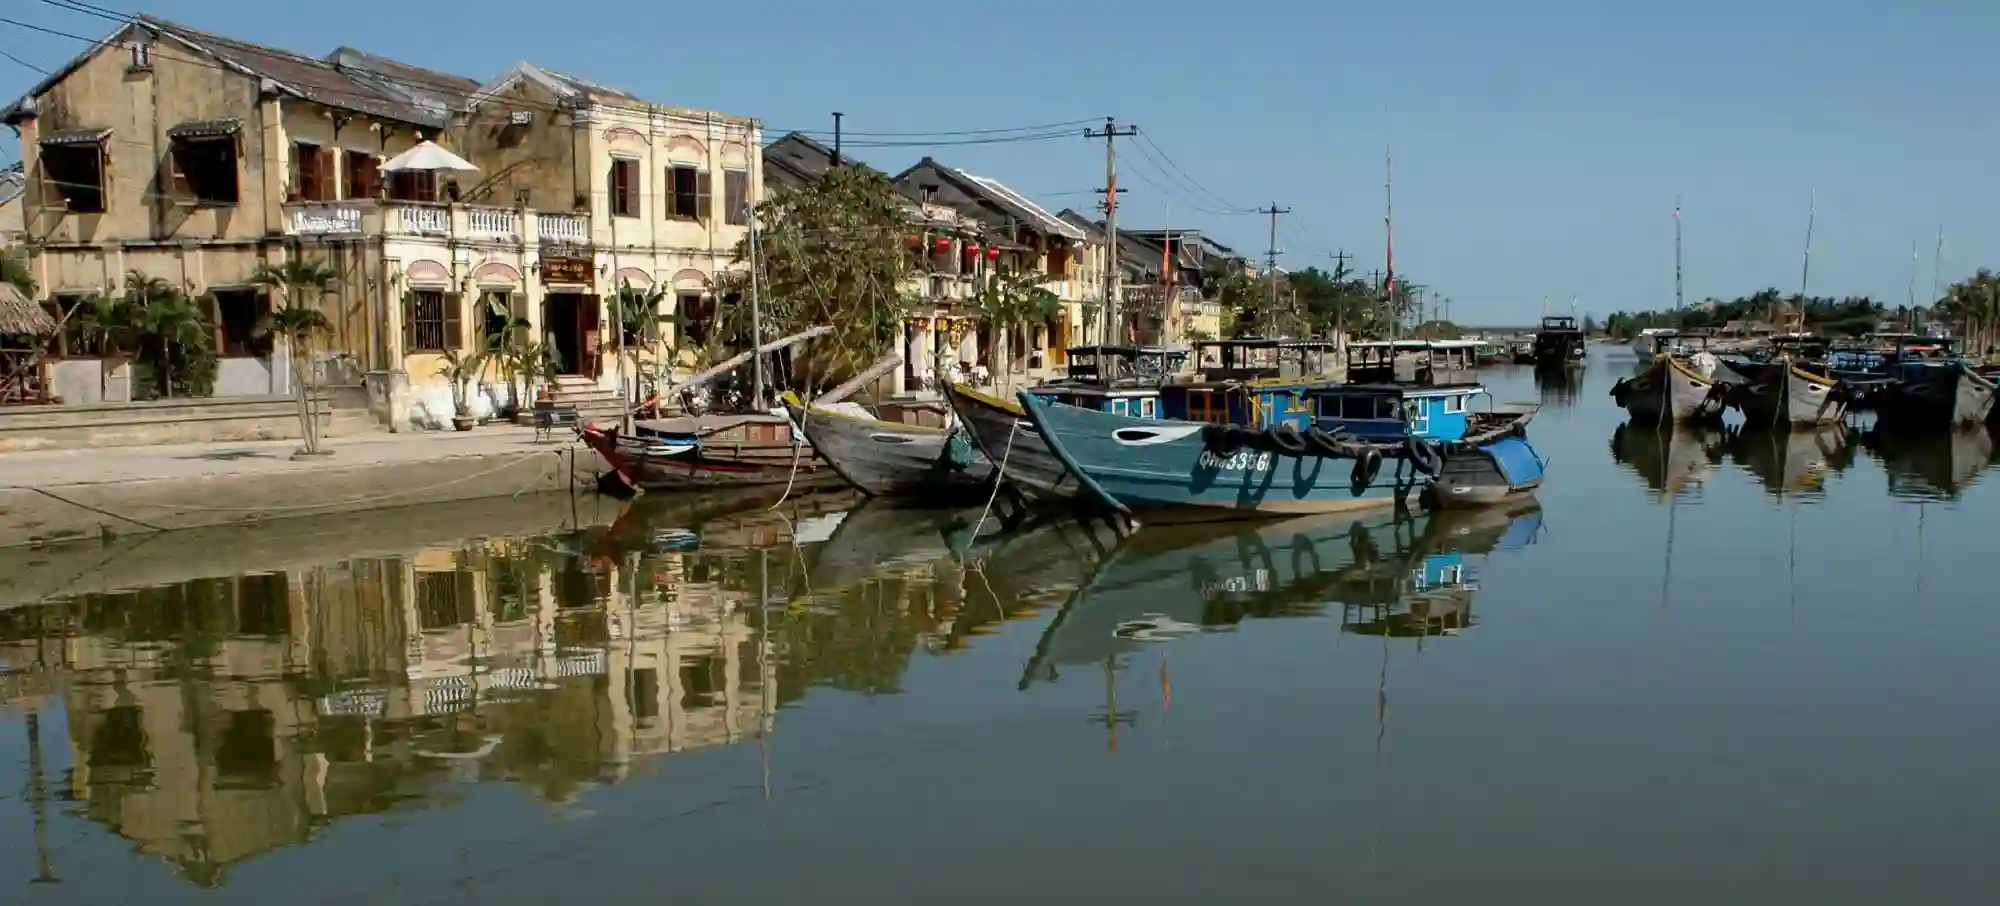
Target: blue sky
point(1538, 145)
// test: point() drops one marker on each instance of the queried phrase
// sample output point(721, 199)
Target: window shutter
point(323, 166)
point(618, 188)
point(703, 187)
point(454, 323)
point(176, 175)
point(409, 321)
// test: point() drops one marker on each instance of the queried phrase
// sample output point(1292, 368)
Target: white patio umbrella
point(427, 156)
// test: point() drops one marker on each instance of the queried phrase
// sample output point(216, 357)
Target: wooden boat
point(1559, 343)
point(1677, 389)
point(1016, 450)
point(1121, 379)
point(890, 459)
point(1935, 394)
point(1788, 391)
point(1322, 450)
point(1653, 341)
point(711, 451)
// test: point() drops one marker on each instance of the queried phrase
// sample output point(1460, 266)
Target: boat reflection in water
point(1935, 465)
point(1394, 573)
point(1559, 386)
point(1669, 458)
point(1795, 462)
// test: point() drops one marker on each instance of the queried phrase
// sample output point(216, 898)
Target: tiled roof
point(435, 93)
point(1027, 210)
point(277, 70)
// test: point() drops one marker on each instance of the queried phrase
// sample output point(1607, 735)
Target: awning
point(205, 128)
point(76, 137)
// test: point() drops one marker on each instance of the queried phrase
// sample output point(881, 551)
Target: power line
point(1148, 142)
point(25, 63)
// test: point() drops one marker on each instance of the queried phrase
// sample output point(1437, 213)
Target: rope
point(999, 476)
point(798, 445)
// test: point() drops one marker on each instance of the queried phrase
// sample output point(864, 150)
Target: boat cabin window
point(1149, 408)
point(1454, 404)
point(1358, 408)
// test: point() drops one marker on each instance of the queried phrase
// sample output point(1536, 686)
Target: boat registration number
point(1239, 461)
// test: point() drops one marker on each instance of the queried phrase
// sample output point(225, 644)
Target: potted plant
point(461, 371)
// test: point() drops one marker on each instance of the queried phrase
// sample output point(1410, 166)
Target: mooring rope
point(798, 444)
point(999, 476)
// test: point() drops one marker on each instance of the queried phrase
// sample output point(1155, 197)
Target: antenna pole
point(1679, 301)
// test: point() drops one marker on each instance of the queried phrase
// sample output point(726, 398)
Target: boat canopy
point(1261, 358)
point(1423, 362)
point(1115, 365)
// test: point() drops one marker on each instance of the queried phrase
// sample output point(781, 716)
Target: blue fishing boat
point(1307, 449)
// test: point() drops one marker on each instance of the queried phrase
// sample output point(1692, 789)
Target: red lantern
point(993, 254)
point(972, 251)
point(944, 245)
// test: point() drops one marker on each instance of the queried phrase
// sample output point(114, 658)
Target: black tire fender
point(1286, 438)
point(1367, 465)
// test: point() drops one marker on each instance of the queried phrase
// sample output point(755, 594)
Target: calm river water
point(1711, 667)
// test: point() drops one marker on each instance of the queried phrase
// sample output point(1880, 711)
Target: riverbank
point(49, 497)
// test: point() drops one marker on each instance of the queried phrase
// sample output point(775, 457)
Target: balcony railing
point(493, 223)
point(570, 229)
point(415, 219)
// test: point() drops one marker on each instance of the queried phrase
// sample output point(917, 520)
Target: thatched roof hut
point(20, 316)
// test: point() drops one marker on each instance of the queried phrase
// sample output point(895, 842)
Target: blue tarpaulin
point(1518, 462)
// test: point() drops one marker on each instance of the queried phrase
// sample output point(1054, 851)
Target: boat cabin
point(1560, 324)
point(1420, 362)
point(1262, 358)
point(1116, 365)
point(1391, 411)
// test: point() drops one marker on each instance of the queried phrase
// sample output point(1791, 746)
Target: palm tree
point(174, 338)
point(302, 284)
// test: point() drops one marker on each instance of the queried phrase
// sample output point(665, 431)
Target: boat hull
point(1166, 472)
point(887, 459)
point(1011, 444)
point(1669, 391)
point(1947, 397)
point(1503, 473)
point(674, 464)
point(1786, 395)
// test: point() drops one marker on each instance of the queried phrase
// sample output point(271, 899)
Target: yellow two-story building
point(185, 156)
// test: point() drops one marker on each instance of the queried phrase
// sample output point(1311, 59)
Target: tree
point(302, 284)
point(1248, 301)
point(833, 251)
point(639, 320)
point(172, 337)
point(14, 269)
point(1011, 304)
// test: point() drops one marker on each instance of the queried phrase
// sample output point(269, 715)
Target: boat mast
point(1679, 302)
point(1805, 268)
point(1389, 238)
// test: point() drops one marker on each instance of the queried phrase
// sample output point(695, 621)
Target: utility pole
point(1111, 133)
point(1271, 258)
point(836, 138)
point(1340, 303)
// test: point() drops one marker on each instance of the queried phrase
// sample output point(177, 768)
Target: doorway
point(569, 321)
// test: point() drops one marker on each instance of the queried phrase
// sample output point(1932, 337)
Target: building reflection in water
point(215, 719)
